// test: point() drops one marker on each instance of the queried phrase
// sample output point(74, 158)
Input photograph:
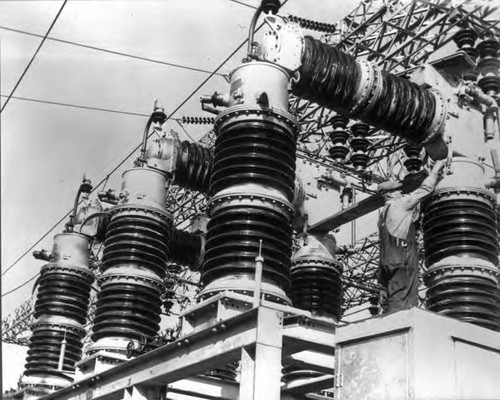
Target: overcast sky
point(45, 148)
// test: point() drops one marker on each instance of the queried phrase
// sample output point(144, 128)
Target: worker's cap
point(388, 186)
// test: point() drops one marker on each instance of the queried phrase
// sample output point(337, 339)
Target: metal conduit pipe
point(135, 255)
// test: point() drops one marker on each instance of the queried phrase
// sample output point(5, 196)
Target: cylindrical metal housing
point(461, 247)
point(257, 146)
point(144, 187)
point(465, 289)
point(259, 84)
point(316, 283)
point(70, 249)
point(316, 286)
point(134, 263)
point(360, 90)
point(194, 166)
point(60, 312)
point(238, 222)
point(252, 186)
point(460, 222)
point(464, 172)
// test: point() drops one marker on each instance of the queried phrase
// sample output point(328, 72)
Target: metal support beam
point(300, 388)
point(258, 337)
point(205, 387)
point(312, 360)
point(261, 365)
point(211, 347)
point(349, 214)
point(141, 393)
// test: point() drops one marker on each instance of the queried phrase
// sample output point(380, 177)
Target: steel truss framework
point(396, 35)
point(15, 325)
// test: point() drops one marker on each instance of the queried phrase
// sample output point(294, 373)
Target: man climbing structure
point(398, 266)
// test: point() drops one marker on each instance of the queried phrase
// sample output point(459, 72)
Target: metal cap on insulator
point(317, 247)
point(162, 153)
point(463, 172)
point(70, 249)
point(158, 116)
point(144, 186)
point(316, 284)
point(260, 84)
point(270, 6)
point(91, 220)
point(130, 274)
point(244, 284)
point(255, 192)
point(60, 323)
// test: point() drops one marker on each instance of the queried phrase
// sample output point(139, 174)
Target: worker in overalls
point(398, 265)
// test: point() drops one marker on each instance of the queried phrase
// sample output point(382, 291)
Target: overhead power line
point(137, 147)
point(56, 103)
point(20, 286)
point(116, 53)
point(109, 110)
point(36, 243)
point(34, 56)
point(244, 4)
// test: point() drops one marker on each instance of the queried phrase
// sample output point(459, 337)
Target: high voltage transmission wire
point(20, 286)
point(36, 243)
point(243, 4)
point(214, 72)
point(56, 103)
point(34, 55)
point(117, 53)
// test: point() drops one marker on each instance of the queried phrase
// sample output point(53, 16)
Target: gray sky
point(45, 149)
